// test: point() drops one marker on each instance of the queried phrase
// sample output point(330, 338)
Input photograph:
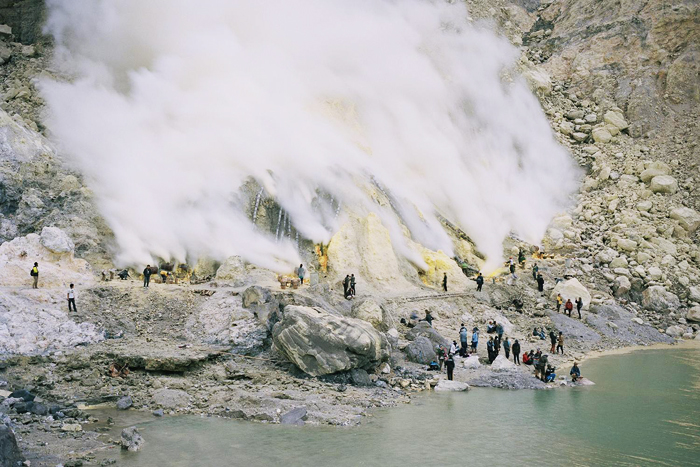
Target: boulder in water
point(445, 385)
point(131, 439)
point(320, 343)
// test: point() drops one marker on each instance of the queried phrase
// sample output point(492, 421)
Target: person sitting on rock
point(575, 372)
point(549, 375)
point(453, 349)
point(568, 307)
point(529, 357)
point(490, 327)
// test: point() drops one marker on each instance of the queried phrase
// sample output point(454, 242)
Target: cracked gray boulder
point(321, 343)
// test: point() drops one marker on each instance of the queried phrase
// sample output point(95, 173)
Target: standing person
point(540, 282)
point(442, 355)
point(479, 282)
point(496, 346)
point(559, 302)
point(512, 269)
point(428, 317)
point(516, 352)
point(147, 275)
point(535, 270)
point(506, 347)
point(560, 343)
point(352, 285)
point(552, 339)
point(521, 258)
point(579, 305)
point(475, 339)
point(568, 307)
point(71, 299)
point(499, 331)
point(35, 275)
point(346, 286)
point(301, 272)
point(450, 364)
point(444, 282)
point(489, 349)
point(463, 334)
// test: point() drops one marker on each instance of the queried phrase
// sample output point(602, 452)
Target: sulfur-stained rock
point(616, 119)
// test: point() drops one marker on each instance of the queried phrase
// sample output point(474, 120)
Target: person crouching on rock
point(575, 372)
point(450, 364)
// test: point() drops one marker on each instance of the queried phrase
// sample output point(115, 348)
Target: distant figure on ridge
point(444, 282)
point(479, 282)
point(35, 275)
point(147, 275)
point(71, 299)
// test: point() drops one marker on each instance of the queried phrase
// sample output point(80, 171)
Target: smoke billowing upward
point(176, 104)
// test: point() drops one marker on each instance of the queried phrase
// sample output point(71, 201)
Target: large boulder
point(657, 298)
point(421, 350)
point(10, 455)
point(688, 218)
point(655, 169)
point(56, 240)
point(693, 315)
point(616, 119)
point(320, 343)
point(232, 270)
point(572, 289)
point(423, 329)
point(501, 363)
point(445, 385)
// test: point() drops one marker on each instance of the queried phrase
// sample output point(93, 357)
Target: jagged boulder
point(423, 329)
point(369, 311)
point(688, 218)
point(421, 350)
point(693, 315)
point(320, 343)
point(657, 298)
point(501, 363)
point(571, 290)
point(445, 385)
point(56, 240)
point(131, 439)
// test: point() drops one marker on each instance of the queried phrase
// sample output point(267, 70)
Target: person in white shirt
point(71, 299)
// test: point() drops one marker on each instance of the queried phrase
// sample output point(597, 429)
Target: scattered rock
point(658, 299)
point(601, 135)
point(445, 385)
point(131, 439)
point(10, 455)
point(295, 416)
point(693, 314)
point(158, 413)
point(171, 398)
point(71, 427)
point(360, 377)
point(655, 169)
point(688, 218)
point(616, 119)
point(664, 184)
point(124, 403)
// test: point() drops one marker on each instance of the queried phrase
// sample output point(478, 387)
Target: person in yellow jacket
point(35, 275)
point(560, 300)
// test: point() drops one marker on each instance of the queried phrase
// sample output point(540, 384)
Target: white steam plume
point(176, 103)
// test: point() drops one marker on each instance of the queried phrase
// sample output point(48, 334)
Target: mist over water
point(175, 105)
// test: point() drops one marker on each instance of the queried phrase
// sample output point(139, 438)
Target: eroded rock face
point(320, 343)
point(657, 298)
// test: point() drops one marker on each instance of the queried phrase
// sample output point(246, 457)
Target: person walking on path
point(450, 364)
point(568, 307)
point(506, 347)
point(352, 285)
point(579, 305)
point(535, 270)
point(71, 299)
point(147, 275)
point(553, 340)
point(560, 343)
point(35, 276)
point(444, 282)
point(301, 272)
point(516, 352)
point(346, 286)
point(540, 282)
point(559, 302)
point(479, 282)
point(463, 335)
point(475, 339)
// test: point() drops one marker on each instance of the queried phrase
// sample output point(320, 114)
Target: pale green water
point(644, 410)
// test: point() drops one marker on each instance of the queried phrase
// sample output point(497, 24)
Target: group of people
point(569, 306)
point(70, 294)
point(349, 287)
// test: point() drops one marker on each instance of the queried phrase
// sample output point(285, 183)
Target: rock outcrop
point(10, 455)
point(321, 343)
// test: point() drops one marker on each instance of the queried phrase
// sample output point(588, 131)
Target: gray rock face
point(617, 323)
point(10, 455)
point(295, 416)
point(131, 439)
point(421, 350)
point(360, 377)
point(320, 343)
point(657, 298)
point(423, 329)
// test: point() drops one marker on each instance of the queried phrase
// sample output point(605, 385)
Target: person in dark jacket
point(444, 282)
point(479, 282)
point(489, 350)
point(147, 275)
point(346, 286)
point(353, 292)
point(428, 317)
point(575, 373)
point(463, 341)
point(496, 346)
point(441, 354)
point(535, 270)
point(499, 330)
point(506, 347)
point(579, 305)
point(516, 352)
point(540, 282)
point(553, 339)
point(450, 364)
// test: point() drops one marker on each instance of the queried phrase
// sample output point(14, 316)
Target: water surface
point(644, 410)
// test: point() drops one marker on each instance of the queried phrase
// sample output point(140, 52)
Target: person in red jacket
point(568, 307)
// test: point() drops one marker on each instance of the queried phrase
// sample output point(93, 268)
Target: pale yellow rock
point(438, 264)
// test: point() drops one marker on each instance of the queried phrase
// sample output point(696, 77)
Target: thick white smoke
point(176, 103)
